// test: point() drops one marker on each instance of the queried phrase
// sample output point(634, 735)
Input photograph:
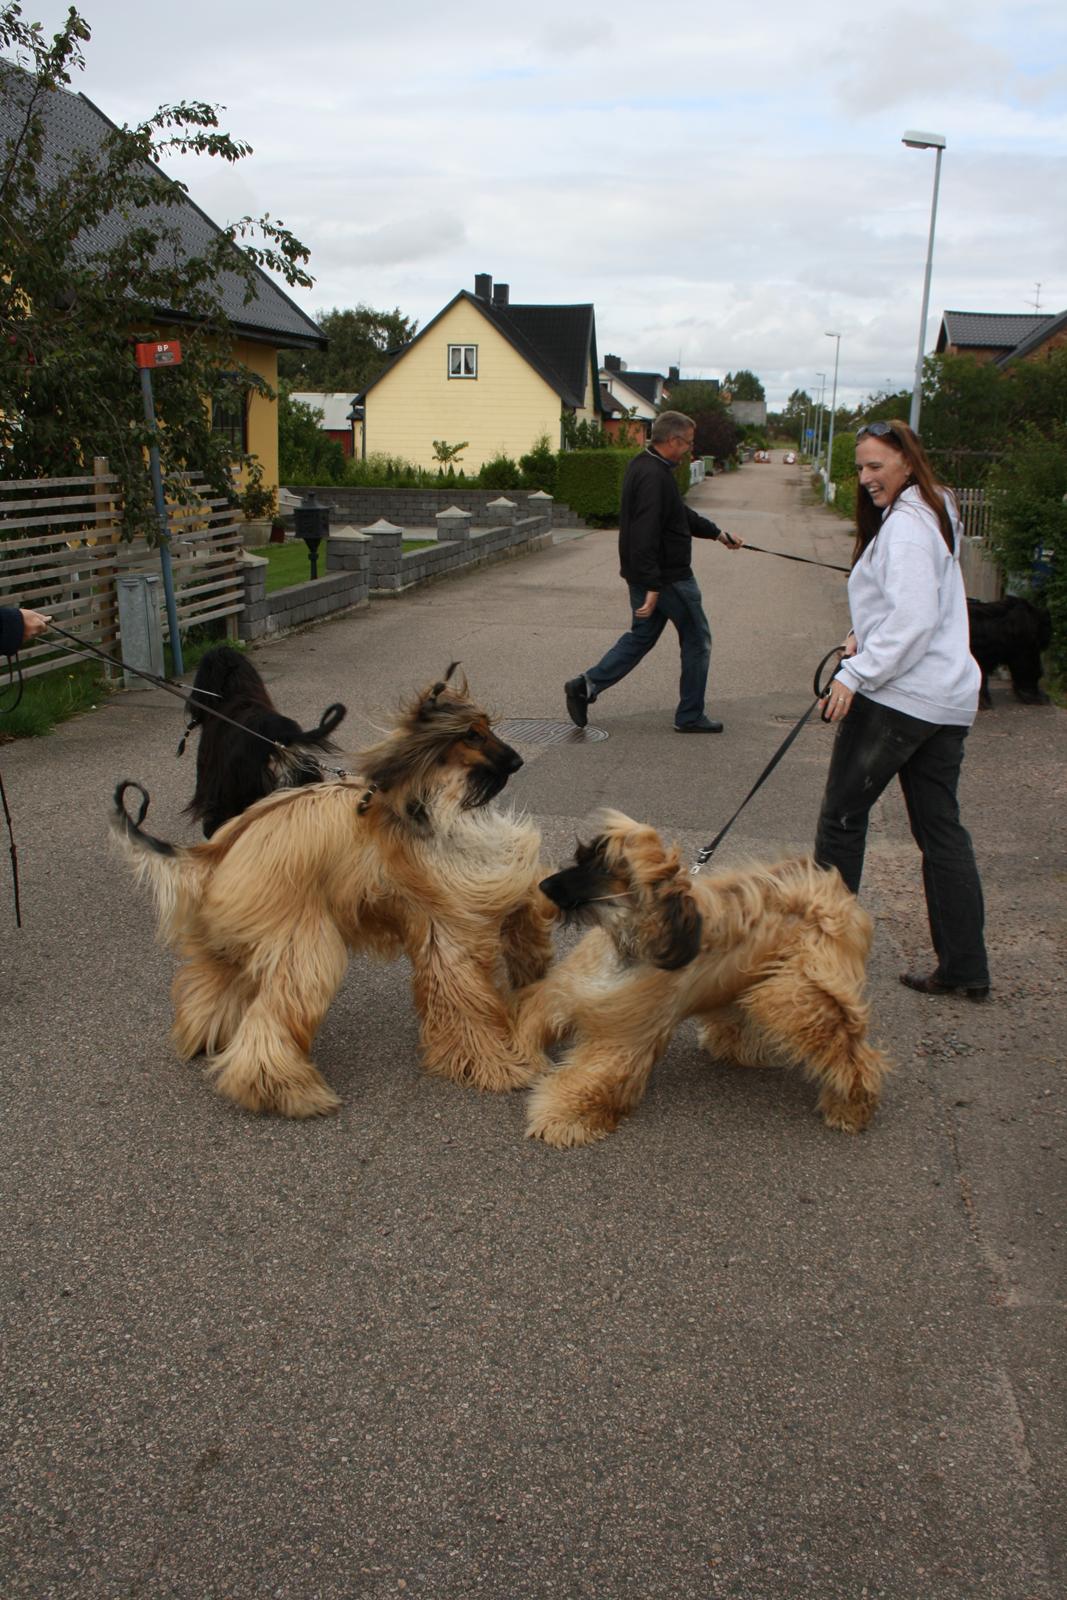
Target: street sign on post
point(148, 355)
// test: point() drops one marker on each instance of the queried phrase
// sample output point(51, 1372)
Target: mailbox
point(311, 522)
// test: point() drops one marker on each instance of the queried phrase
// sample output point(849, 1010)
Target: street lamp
point(818, 417)
point(833, 408)
point(924, 141)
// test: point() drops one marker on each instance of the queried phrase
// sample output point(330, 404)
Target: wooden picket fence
point(981, 576)
point(61, 552)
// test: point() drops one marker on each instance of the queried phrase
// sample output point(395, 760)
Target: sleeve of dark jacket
point(11, 630)
point(700, 527)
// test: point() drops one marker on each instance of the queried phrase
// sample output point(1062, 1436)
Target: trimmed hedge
point(590, 481)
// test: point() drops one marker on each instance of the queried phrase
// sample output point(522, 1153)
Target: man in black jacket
point(656, 532)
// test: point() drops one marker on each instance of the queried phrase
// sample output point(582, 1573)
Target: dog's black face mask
point(491, 764)
point(580, 890)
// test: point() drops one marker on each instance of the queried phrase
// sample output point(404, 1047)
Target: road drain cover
point(535, 730)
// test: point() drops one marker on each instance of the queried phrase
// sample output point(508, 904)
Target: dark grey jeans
point(681, 604)
point(874, 744)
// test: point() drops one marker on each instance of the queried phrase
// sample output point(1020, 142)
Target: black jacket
point(11, 630)
point(656, 527)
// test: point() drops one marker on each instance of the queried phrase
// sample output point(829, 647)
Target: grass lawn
point(290, 563)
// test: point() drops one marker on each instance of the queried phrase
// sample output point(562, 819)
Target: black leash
point(782, 556)
point(705, 855)
point(161, 683)
point(14, 855)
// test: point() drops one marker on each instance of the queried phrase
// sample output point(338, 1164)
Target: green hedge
point(590, 481)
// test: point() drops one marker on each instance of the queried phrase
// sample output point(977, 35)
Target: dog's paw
point(562, 1131)
point(847, 1116)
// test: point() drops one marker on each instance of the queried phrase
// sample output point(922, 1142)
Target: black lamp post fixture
point(311, 520)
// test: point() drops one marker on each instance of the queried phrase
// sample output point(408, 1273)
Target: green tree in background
point(72, 299)
point(361, 343)
point(744, 385)
point(305, 453)
point(1029, 486)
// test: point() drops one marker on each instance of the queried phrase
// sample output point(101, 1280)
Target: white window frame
point(467, 354)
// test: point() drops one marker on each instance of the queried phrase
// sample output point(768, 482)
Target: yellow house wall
point(504, 410)
point(588, 410)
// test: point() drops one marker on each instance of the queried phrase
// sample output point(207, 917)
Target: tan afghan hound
point(408, 858)
point(771, 960)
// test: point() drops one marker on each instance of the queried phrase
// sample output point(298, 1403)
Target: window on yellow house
point(229, 416)
point(463, 361)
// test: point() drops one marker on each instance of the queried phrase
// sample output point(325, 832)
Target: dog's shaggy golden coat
point(403, 859)
point(771, 960)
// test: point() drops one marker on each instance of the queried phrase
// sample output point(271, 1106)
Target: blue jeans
point(681, 604)
point(875, 743)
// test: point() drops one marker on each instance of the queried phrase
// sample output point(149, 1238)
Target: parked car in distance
point(789, 459)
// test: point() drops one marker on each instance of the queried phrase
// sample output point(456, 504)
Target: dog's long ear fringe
point(680, 930)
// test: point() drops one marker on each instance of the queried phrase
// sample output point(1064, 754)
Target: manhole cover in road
point(535, 730)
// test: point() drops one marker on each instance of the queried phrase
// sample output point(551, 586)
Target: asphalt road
point(405, 1351)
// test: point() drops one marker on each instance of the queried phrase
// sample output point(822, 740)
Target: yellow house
point(487, 372)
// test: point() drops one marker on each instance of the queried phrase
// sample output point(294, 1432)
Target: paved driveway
point(407, 1352)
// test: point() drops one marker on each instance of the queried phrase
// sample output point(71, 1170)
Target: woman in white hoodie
point(906, 694)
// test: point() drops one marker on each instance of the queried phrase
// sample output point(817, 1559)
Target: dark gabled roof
point(986, 330)
point(649, 385)
point(1035, 340)
point(608, 403)
point(73, 125)
point(559, 342)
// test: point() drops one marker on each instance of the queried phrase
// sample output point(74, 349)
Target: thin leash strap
point(14, 855)
point(783, 556)
point(162, 683)
point(705, 855)
point(14, 684)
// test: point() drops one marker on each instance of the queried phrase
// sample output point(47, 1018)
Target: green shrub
point(590, 482)
point(1029, 485)
point(500, 473)
point(843, 464)
point(540, 468)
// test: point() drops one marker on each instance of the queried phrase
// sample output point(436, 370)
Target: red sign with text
point(159, 355)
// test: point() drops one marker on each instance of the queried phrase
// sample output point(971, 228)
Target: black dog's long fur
point(234, 768)
point(1010, 633)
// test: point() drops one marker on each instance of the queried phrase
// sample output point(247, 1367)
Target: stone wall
point(371, 563)
point(417, 508)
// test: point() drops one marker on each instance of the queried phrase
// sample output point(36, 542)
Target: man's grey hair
point(670, 425)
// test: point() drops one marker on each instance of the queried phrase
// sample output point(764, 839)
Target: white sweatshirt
point(909, 615)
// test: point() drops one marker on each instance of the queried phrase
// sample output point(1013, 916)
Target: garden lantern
point(311, 521)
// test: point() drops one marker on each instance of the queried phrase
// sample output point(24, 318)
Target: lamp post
point(818, 418)
point(924, 141)
point(833, 408)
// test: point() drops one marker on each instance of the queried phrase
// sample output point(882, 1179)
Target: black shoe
point(577, 694)
point(932, 984)
point(704, 725)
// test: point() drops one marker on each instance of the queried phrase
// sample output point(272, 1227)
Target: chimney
point(672, 375)
point(500, 294)
point(483, 286)
point(612, 364)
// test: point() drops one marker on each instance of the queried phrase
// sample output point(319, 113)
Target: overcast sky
point(725, 188)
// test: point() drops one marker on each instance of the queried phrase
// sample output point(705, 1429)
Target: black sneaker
point(703, 725)
point(577, 696)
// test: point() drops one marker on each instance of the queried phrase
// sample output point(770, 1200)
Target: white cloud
point(724, 188)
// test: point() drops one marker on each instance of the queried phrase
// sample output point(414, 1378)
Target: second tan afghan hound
point(408, 858)
point(770, 960)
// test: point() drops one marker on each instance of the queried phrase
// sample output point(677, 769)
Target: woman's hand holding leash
point(838, 698)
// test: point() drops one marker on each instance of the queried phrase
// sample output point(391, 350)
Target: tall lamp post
point(818, 418)
point(833, 408)
point(924, 141)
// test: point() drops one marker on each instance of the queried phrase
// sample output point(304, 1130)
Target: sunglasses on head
point(877, 430)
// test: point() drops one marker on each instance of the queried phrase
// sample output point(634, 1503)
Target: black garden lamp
point(311, 520)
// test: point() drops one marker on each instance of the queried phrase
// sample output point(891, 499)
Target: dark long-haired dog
point(237, 766)
point(1011, 632)
point(771, 960)
point(409, 858)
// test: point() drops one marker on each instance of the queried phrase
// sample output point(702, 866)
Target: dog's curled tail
point(330, 720)
point(155, 862)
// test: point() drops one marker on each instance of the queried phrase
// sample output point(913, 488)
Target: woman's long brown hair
point(869, 517)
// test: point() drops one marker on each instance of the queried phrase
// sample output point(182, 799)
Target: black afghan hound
point(234, 768)
point(1011, 632)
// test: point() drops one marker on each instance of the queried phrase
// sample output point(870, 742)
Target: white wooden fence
point(61, 552)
